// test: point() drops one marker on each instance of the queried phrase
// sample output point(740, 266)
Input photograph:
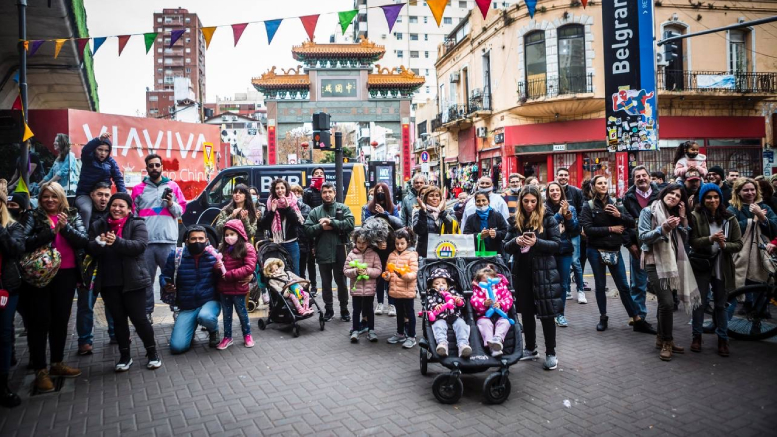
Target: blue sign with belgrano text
point(630, 75)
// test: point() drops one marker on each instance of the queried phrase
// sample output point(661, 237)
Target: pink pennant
point(81, 44)
point(585, 3)
point(309, 22)
point(237, 31)
point(484, 5)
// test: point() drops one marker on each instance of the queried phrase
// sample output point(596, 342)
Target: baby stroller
point(281, 311)
point(448, 387)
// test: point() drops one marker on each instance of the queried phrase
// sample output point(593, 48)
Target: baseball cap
point(692, 175)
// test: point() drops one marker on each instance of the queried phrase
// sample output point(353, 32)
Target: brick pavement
point(609, 383)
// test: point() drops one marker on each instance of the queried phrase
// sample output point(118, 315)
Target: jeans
point(665, 303)
point(405, 311)
point(488, 330)
point(639, 282)
point(719, 315)
point(460, 327)
point(334, 271)
point(293, 249)
point(618, 273)
point(6, 333)
point(239, 302)
point(583, 254)
point(156, 256)
point(362, 309)
point(129, 304)
point(564, 264)
point(576, 265)
point(187, 321)
point(85, 317)
point(84, 205)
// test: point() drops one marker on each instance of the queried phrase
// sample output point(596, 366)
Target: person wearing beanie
point(97, 165)
point(18, 203)
point(117, 243)
point(717, 176)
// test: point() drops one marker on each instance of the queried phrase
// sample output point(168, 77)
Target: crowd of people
point(687, 243)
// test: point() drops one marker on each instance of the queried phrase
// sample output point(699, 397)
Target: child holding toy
point(402, 286)
point(444, 305)
point(237, 263)
point(493, 329)
point(288, 285)
point(363, 267)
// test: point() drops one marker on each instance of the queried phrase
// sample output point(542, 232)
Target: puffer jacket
point(38, 232)
point(94, 171)
point(434, 298)
point(196, 281)
point(546, 280)
point(595, 223)
point(312, 197)
point(326, 242)
point(130, 248)
point(404, 287)
point(502, 294)
point(374, 270)
point(11, 248)
point(571, 228)
point(237, 268)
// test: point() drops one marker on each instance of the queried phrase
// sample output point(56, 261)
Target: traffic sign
point(208, 153)
point(424, 156)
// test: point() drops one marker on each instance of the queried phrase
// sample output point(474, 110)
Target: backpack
point(168, 297)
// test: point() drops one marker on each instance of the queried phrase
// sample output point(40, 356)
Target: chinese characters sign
point(271, 155)
point(338, 88)
point(407, 164)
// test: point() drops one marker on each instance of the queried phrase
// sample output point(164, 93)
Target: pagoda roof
point(290, 79)
point(384, 79)
point(363, 49)
point(387, 78)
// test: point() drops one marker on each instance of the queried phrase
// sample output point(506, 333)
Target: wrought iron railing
point(437, 122)
point(454, 112)
point(717, 81)
point(556, 86)
point(479, 100)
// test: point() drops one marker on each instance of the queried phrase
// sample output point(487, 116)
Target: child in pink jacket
point(238, 262)
point(686, 157)
point(363, 267)
point(493, 333)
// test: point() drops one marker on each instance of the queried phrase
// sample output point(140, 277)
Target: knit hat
point(21, 198)
point(4, 191)
point(706, 188)
point(717, 170)
point(440, 273)
point(120, 196)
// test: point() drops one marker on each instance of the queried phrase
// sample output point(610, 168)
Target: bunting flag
point(21, 187)
point(26, 46)
point(237, 31)
point(585, 3)
point(17, 104)
point(34, 47)
point(97, 43)
point(123, 42)
point(271, 26)
point(392, 12)
point(149, 39)
point(207, 33)
point(58, 47)
point(27, 134)
point(175, 36)
point(82, 43)
point(484, 6)
point(309, 23)
point(346, 17)
point(532, 5)
point(438, 8)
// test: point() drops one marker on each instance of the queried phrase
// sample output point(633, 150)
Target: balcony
point(456, 117)
point(557, 96)
point(437, 123)
point(716, 83)
point(480, 102)
point(555, 86)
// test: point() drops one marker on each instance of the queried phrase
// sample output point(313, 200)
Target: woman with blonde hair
point(53, 223)
point(431, 217)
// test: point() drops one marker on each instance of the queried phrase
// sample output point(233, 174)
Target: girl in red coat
point(239, 262)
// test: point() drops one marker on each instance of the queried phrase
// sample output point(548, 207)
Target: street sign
point(425, 168)
point(559, 147)
point(424, 156)
point(208, 155)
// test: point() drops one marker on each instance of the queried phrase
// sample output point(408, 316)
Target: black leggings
point(362, 309)
point(528, 312)
point(132, 305)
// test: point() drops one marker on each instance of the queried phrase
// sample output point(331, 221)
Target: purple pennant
point(34, 47)
point(175, 36)
point(532, 5)
point(392, 12)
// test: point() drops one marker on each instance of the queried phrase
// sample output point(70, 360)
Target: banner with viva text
point(630, 75)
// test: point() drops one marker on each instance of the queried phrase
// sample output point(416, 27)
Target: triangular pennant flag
point(585, 3)
point(392, 12)
point(207, 33)
point(97, 43)
point(532, 5)
point(34, 47)
point(175, 36)
point(17, 104)
point(27, 132)
point(484, 5)
point(438, 8)
point(345, 18)
point(271, 27)
point(21, 187)
point(82, 43)
point(26, 46)
point(58, 46)
point(237, 31)
point(309, 23)
point(123, 42)
point(149, 39)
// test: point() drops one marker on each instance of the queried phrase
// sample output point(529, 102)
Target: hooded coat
point(374, 269)
point(237, 268)
point(94, 171)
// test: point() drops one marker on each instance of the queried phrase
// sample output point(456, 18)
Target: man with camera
point(161, 203)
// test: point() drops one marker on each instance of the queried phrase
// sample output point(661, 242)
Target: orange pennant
point(58, 46)
point(27, 132)
point(207, 33)
point(438, 8)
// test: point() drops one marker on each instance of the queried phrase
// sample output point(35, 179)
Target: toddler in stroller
point(444, 305)
point(287, 284)
point(493, 328)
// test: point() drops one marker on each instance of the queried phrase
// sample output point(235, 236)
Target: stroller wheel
point(261, 324)
point(424, 360)
point(295, 331)
point(321, 323)
point(251, 307)
point(447, 388)
point(494, 391)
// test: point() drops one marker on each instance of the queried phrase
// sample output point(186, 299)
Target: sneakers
point(365, 329)
point(249, 341)
point(586, 287)
point(442, 349)
point(354, 336)
point(561, 321)
point(373, 337)
point(225, 343)
point(551, 362)
point(379, 310)
point(60, 369)
point(569, 295)
point(84, 349)
point(396, 338)
point(328, 315)
point(581, 298)
point(154, 362)
point(213, 339)
point(529, 355)
point(392, 311)
point(495, 344)
point(43, 383)
point(465, 351)
point(345, 317)
point(409, 343)
point(125, 362)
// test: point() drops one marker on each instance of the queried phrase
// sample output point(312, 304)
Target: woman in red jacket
point(238, 263)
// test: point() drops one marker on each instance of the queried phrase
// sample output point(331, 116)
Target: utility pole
point(339, 166)
point(24, 161)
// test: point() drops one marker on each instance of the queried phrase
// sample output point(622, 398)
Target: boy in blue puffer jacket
point(97, 165)
point(191, 273)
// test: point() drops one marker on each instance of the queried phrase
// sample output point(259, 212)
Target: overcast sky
point(123, 80)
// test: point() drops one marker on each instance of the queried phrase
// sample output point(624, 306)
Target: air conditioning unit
point(455, 77)
point(234, 118)
point(383, 36)
point(481, 132)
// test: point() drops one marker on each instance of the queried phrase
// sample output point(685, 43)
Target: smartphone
point(528, 234)
point(166, 192)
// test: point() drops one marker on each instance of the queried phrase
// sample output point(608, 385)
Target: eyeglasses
point(154, 165)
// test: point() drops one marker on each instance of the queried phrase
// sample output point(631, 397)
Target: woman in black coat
point(533, 240)
point(118, 244)
point(487, 223)
point(431, 217)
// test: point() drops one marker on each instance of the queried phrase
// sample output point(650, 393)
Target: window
point(159, 50)
point(159, 20)
point(188, 70)
point(398, 35)
point(463, 4)
point(159, 80)
point(153, 98)
point(399, 19)
point(153, 111)
point(188, 20)
point(428, 90)
point(427, 72)
point(159, 61)
point(536, 67)
point(188, 40)
point(188, 30)
point(737, 51)
point(426, 55)
point(188, 50)
point(158, 70)
point(447, 20)
point(414, 53)
point(167, 29)
point(221, 192)
point(571, 59)
point(168, 61)
point(426, 37)
point(159, 29)
point(426, 20)
point(188, 61)
point(416, 71)
point(167, 41)
point(413, 19)
point(400, 54)
point(413, 37)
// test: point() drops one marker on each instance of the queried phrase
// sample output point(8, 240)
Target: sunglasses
point(154, 165)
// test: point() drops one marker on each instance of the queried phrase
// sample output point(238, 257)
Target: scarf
point(277, 221)
point(483, 217)
point(316, 183)
point(117, 226)
point(674, 269)
point(434, 212)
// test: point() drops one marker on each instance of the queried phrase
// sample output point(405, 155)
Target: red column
point(272, 155)
point(579, 167)
point(551, 171)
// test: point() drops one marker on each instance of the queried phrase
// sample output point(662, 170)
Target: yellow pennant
point(21, 187)
point(58, 46)
point(26, 46)
point(27, 132)
point(438, 8)
point(207, 33)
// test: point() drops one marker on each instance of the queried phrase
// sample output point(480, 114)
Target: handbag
point(166, 296)
point(481, 251)
point(701, 262)
point(40, 266)
point(608, 257)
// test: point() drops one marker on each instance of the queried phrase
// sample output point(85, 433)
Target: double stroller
point(281, 310)
point(448, 387)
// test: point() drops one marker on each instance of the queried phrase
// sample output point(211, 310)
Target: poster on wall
point(630, 76)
